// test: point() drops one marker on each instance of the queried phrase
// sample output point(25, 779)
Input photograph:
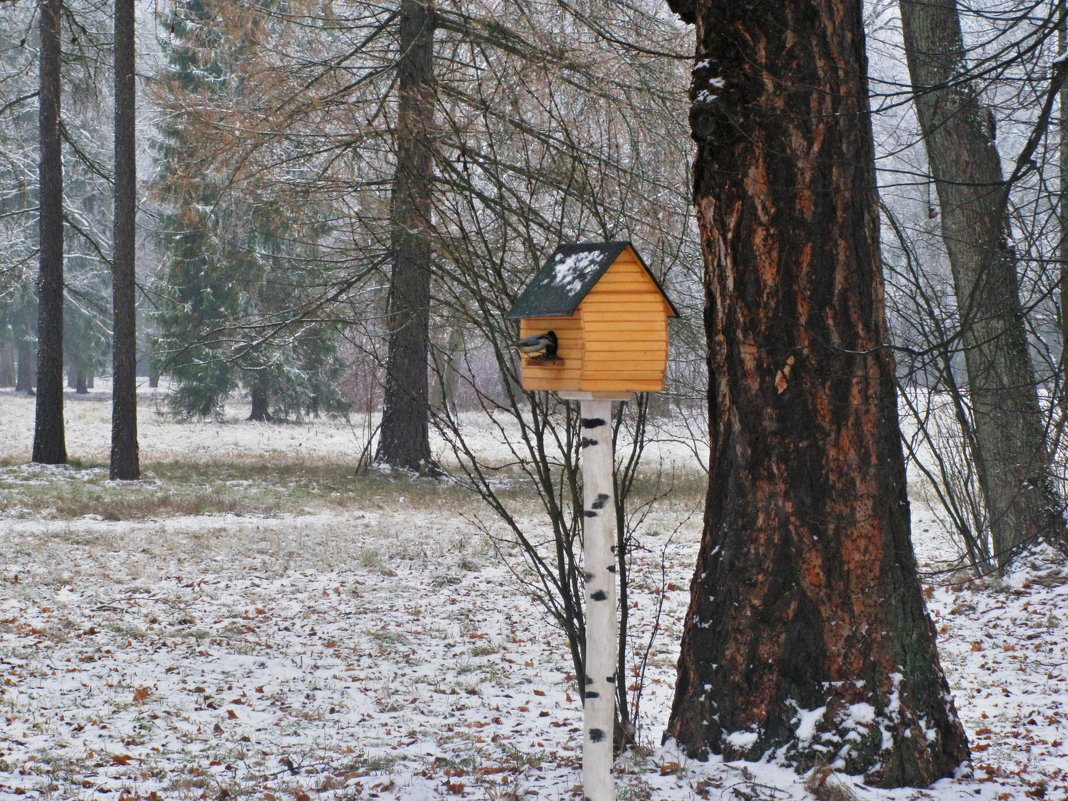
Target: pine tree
point(18, 185)
point(235, 270)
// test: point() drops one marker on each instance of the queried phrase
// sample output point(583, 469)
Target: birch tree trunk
point(806, 636)
point(49, 438)
point(1012, 459)
point(599, 566)
point(404, 438)
point(125, 464)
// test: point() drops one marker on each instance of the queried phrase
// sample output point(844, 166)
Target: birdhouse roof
point(567, 277)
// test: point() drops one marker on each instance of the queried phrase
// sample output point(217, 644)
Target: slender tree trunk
point(454, 355)
point(125, 463)
point(1013, 461)
point(27, 367)
point(49, 443)
point(7, 364)
point(1062, 207)
point(806, 635)
point(447, 371)
point(599, 572)
point(404, 437)
point(81, 382)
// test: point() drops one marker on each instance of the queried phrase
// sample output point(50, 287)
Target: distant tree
point(7, 358)
point(1012, 458)
point(49, 442)
point(18, 313)
point(125, 463)
point(85, 334)
point(18, 186)
point(237, 272)
point(805, 607)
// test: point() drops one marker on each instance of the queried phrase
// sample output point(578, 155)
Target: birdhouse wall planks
point(609, 316)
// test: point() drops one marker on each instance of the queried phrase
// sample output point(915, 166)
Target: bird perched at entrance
point(542, 344)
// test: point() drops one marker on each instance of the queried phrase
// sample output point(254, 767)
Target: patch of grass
point(634, 788)
point(369, 763)
point(235, 486)
point(388, 638)
point(519, 760)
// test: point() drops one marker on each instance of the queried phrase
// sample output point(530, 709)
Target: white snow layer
point(381, 649)
point(571, 272)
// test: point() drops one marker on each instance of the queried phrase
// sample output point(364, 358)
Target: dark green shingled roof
point(568, 276)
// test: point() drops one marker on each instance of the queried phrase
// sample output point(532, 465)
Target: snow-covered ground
point(371, 644)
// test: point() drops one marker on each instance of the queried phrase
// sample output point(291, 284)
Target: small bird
point(543, 344)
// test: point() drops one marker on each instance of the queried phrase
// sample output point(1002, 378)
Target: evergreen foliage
point(18, 185)
point(229, 303)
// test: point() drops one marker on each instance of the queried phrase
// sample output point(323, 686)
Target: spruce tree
point(231, 297)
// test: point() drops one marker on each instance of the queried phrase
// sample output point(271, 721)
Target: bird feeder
point(594, 328)
point(608, 316)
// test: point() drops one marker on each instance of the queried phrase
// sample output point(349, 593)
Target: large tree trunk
point(404, 438)
point(49, 442)
point(125, 464)
point(806, 635)
point(1013, 462)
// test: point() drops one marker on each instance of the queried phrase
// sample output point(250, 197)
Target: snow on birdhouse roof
point(567, 277)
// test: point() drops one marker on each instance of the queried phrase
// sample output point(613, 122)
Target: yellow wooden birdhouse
point(594, 319)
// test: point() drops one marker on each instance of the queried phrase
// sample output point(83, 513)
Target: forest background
point(290, 151)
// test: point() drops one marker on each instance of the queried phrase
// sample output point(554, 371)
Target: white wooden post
point(599, 566)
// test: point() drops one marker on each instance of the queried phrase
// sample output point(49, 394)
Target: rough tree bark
point(125, 464)
point(806, 636)
point(404, 439)
point(1012, 460)
point(49, 439)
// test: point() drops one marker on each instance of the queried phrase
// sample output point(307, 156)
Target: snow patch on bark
point(807, 722)
point(742, 740)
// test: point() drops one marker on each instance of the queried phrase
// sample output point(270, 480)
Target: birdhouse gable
point(567, 277)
